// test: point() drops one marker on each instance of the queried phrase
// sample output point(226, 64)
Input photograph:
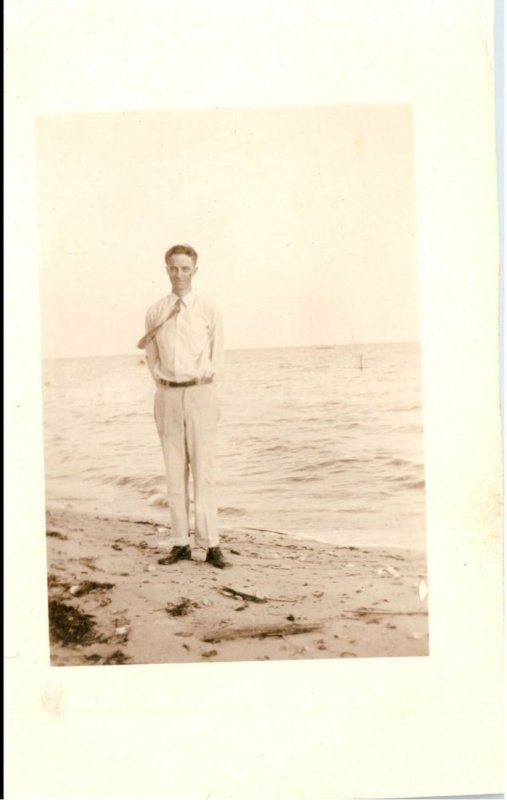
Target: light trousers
point(187, 421)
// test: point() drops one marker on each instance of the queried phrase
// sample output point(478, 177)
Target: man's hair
point(180, 249)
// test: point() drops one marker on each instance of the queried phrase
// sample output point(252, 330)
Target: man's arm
point(151, 351)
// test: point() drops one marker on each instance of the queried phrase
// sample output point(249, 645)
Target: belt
point(194, 382)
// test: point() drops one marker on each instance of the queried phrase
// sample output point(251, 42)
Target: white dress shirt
point(190, 344)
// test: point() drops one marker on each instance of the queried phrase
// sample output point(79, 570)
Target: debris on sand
point(259, 631)
point(89, 562)
point(364, 612)
point(182, 608)
point(118, 657)
point(93, 658)
point(228, 591)
point(388, 570)
point(85, 587)
point(54, 581)
point(57, 535)
point(422, 590)
point(69, 625)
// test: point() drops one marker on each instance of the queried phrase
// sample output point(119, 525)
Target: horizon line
point(140, 353)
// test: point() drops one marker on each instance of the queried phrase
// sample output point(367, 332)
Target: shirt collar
point(186, 300)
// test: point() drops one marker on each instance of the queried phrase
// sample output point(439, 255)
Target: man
point(184, 352)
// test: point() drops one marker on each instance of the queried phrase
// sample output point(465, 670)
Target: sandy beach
point(110, 602)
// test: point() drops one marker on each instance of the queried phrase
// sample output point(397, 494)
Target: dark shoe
point(215, 557)
point(178, 553)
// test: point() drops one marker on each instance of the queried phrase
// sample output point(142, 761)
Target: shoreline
point(226, 524)
point(285, 597)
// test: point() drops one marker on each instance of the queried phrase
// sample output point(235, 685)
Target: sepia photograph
point(233, 420)
point(254, 542)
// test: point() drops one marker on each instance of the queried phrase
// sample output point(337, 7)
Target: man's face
point(181, 269)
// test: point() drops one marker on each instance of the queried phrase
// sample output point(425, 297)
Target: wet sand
point(110, 602)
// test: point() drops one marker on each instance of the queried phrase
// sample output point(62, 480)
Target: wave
point(276, 448)
point(126, 415)
point(396, 409)
point(143, 484)
point(331, 465)
point(230, 511)
point(416, 484)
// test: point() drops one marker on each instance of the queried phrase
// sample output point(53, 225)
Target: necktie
point(148, 337)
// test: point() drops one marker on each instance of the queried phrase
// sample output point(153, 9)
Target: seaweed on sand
point(69, 625)
point(182, 608)
point(118, 657)
point(85, 587)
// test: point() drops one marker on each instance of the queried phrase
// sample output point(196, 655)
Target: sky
point(303, 218)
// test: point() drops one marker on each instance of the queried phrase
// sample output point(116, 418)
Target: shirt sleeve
point(151, 349)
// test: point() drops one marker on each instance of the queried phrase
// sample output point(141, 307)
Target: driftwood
point(228, 591)
point(260, 631)
point(363, 612)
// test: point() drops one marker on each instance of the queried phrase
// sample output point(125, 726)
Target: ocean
point(319, 442)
